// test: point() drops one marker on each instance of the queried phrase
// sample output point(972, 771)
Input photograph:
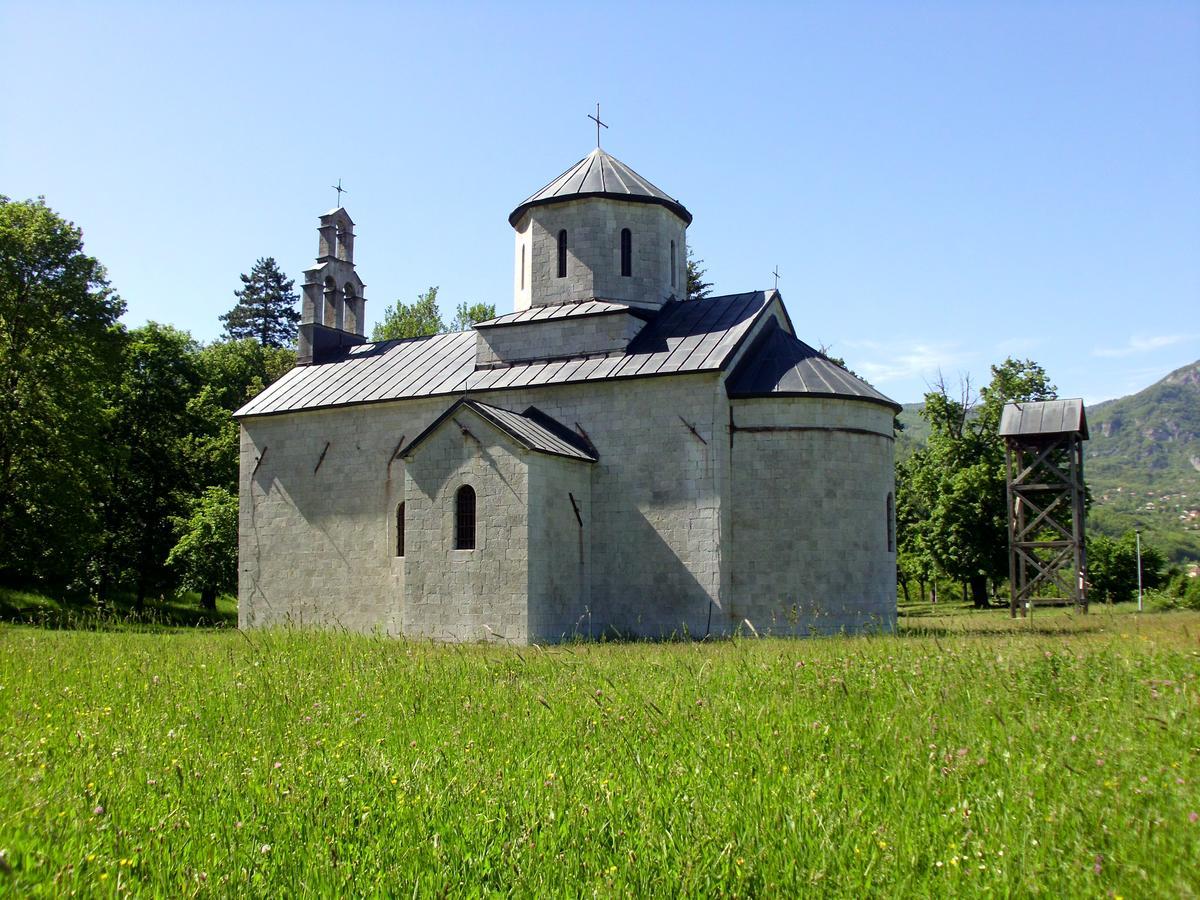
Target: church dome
point(600, 175)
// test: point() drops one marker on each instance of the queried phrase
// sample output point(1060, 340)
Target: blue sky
point(940, 184)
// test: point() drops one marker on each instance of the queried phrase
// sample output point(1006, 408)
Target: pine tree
point(697, 287)
point(266, 307)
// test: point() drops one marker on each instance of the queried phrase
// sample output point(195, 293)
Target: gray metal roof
point(682, 337)
point(562, 311)
point(600, 175)
point(532, 429)
point(780, 364)
point(1043, 417)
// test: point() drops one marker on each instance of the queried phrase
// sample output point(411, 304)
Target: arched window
point(891, 524)
point(626, 252)
point(522, 267)
point(400, 530)
point(343, 250)
point(672, 264)
point(464, 518)
point(562, 254)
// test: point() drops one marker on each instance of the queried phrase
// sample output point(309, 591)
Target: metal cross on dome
point(776, 274)
point(341, 190)
point(596, 119)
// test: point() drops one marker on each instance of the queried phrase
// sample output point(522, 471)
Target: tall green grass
point(1055, 758)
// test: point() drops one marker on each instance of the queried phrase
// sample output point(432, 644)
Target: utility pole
point(1138, 533)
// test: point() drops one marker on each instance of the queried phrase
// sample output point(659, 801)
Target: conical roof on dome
point(600, 175)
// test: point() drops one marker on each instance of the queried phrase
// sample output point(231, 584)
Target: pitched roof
point(600, 175)
point(780, 364)
point(682, 337)
point(1043, 417)
point(532, 429)
point(562, 311)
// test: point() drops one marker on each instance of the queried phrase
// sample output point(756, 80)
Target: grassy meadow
point(964, 756)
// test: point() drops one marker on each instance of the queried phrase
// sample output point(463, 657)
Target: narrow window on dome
point(522, 267)
point(400, 530)
point(562, 254)
point(626, 252)
point(672, 264)
point(464, 518)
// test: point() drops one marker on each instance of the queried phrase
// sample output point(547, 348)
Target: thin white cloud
point(1140, 344)
point(912, 361)
point(1019, 346)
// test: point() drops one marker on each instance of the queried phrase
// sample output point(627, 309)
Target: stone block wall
point(593, 227)
point(683, 532)
point(809, 516)
point(476, 594)
point(655, 560)
point(316, 543)
point(559, 567)
point(556, 339)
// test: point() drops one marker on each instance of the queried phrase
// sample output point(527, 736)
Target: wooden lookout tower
point(1043, 449)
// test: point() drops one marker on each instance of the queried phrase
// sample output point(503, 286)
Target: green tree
point(266, 307)
point(418, 319)
point(60, 348)
point(1113, 567)
point(958, 477)
point(205, 552)
point(231, 373)
point(466, 316)
point(151, 475)
point(697, 287)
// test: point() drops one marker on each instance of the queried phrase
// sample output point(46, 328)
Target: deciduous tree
point(60, 349)
point(958, 481)
point(402, 320)
point(205, 552)
point(467, 315)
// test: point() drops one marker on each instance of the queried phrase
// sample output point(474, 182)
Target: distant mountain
point(1142, 461)
point(915, 430)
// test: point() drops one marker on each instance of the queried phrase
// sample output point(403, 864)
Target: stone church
point(610, 458)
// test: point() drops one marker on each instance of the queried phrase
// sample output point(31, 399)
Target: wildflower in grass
point(98, 811)
point(1193, 816)
point(266, 848)
point(1096, 865)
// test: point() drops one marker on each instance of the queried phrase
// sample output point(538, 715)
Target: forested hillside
point(1143, 463)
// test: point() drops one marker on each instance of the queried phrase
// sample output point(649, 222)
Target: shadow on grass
point(1019, 626)
point(119, 614)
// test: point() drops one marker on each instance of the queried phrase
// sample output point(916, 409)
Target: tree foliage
point(150, 473)
point(266, 308)
point(467, 315)
point(118, 449)
point(60, 346)
point(697, 287)
point(402, 320)
point(205, 552)
point(951, 511)
point(1113, 567)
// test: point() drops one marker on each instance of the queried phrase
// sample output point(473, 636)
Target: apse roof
point(600, 175)
point(780, 364)
point(532, 429)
